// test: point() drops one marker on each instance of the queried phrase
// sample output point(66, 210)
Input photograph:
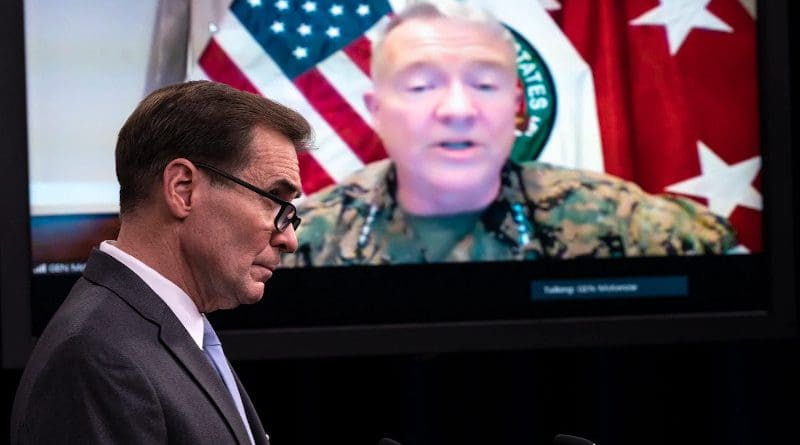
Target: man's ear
point(179, 186)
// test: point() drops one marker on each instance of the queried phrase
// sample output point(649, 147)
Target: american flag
point(660, 92)
point(312, 56)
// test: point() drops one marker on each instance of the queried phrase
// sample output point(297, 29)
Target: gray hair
point(447, 9)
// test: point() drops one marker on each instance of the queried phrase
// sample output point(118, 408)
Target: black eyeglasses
point(287, 215)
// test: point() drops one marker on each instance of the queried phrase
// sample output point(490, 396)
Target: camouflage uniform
point(541, 211)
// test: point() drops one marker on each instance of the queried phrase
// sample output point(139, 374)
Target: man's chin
point(253, 294)
point(464, 182)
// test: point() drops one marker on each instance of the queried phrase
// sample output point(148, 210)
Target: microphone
point(566, 439)
point(387, 441)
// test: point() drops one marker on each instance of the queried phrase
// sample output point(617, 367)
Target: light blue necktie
point(213, 350)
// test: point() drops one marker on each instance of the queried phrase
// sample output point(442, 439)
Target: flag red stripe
point(340, 115)
point(220, 68)
point(314, 176)
point(360, 52)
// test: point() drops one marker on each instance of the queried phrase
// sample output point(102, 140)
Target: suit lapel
point(108, 272)
point(187, 352)
point(259, 435)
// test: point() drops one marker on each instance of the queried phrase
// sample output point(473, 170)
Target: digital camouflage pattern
point(541, 211)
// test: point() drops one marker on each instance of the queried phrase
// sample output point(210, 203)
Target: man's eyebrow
point(284, 186)
point(493, 65)
point(479, 64)
point(416, 66)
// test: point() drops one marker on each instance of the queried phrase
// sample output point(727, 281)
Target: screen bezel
point(15, 250)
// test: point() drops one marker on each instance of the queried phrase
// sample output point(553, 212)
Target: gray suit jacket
point(115, 365)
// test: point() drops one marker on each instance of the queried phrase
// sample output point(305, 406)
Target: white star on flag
point(277, 27)
point(304, 29)
point(679, 17)
point(310, 6)
point(725, 186)
point(332, 32)
point(282, 5)
point(300, 52)
point(336, 10)
point(362, 10)
point(254, 3)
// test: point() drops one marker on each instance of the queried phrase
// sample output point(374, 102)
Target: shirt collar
point(175, 298)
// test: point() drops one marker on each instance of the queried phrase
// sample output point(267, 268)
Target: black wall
point(725, 393)
point(728, 393)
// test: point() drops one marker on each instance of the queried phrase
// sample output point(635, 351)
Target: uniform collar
point(372, 194)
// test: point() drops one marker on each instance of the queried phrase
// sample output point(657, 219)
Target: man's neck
point(433, 202)
point(153, 249)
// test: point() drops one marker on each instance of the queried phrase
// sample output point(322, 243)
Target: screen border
point(15, 249)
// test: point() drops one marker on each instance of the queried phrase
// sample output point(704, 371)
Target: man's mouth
point(266, 271)
point(457, 145)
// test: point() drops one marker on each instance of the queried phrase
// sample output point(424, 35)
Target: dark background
point(735, 392)
point(744, 392)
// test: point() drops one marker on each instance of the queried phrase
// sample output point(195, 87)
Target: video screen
point(635, 138)
point(636, 95)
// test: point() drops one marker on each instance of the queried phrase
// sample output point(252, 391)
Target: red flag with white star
point(677, 98)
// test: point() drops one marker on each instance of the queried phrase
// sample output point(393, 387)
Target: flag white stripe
point(197, 73)
point(348, 80)
point(375, 31)
point(332, 153)
point(398, 5)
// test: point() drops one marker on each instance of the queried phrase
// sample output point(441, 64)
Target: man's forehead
point(273, 162)
point(420, 39)
point(275, 179)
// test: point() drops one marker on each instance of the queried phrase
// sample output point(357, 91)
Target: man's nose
point(285, 241)
point(457, 106)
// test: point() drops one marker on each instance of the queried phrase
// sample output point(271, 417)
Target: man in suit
point(206, 174)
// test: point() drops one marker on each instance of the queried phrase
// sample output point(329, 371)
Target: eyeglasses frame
point(293, 221)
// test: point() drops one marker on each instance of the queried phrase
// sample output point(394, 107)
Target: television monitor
point(78, 69)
